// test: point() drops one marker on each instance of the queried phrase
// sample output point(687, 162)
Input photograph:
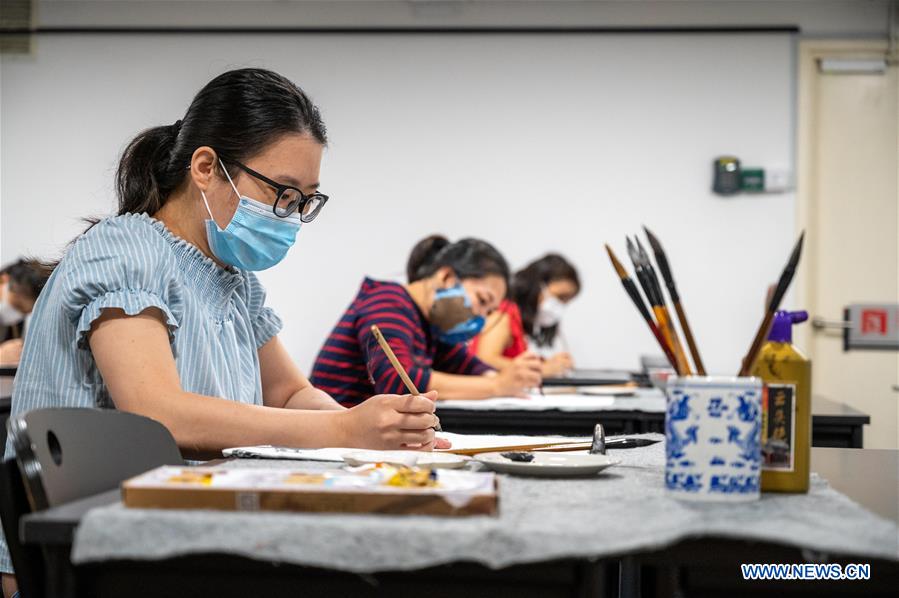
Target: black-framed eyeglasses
point(289, 199)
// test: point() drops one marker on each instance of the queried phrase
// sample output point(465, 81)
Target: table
point(833, 424)
point(691, 566)
point(596, 377)
point(5, 401)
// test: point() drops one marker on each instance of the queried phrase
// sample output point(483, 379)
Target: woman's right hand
point(392, 422)
point(522, 374)
point(557, 365)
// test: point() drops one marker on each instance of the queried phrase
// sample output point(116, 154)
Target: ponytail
point(145, 176)
point(423, 255)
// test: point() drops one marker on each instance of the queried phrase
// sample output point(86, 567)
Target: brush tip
point(653, 241)
point(619, 269)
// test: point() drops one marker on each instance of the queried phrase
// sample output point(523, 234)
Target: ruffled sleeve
point(120, 263)
point(265, 322)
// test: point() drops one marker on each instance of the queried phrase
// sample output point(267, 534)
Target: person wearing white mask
point(529, 320)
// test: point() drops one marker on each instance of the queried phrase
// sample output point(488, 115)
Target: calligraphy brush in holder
point(634, 294)
point(653, 292)
point(783, 284)
point(665, 269)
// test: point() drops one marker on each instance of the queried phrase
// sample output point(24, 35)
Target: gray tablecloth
point(621, 511)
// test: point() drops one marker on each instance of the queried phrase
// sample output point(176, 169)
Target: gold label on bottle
point(778, 427)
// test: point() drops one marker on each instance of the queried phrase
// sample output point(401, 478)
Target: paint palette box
point(378, 488)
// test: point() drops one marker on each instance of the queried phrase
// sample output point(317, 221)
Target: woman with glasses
point(531, 316)
point(157, 310)
point(451, 288)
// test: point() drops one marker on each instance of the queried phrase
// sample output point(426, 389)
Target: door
point(848, 193)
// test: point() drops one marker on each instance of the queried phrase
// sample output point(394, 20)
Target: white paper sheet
point(646, 400)
point(331, 455)
point(335, 455)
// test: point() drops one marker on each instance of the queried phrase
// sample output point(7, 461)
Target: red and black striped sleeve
point(400, 324)
point(459, 359)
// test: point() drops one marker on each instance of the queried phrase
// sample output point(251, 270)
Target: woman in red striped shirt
point(452, 288)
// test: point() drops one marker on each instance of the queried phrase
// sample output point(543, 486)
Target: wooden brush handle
point(393, 360)
point(663, 343)
point(667, 328)
point(550, 447)
point(691, 342)
point(757, 342)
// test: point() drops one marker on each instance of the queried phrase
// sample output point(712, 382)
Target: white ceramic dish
point(548, 464)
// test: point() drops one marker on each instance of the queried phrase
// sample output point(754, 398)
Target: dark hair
point(469, 258)
point(527, 284)
point(29, 275)
point(237, 114)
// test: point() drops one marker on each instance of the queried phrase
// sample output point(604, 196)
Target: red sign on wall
point(872, 326)
point(874, 321)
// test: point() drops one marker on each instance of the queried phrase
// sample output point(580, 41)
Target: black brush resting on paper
point(665, 269)
point(783, 284)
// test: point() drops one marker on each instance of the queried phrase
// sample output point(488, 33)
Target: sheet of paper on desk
point(330, 455)
point(536, 402)
point(644, 399)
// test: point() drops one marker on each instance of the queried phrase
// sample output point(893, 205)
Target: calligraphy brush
point(634, 294)
point(391, 356)
point(665, 269)
point(786, 278)
point(653, 278)
point(654, 294)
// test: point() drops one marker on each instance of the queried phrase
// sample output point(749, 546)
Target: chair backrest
point(26, 560)
point(69, 453)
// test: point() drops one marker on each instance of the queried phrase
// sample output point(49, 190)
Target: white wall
point(535, 142)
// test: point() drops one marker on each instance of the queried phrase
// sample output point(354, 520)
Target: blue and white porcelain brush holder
point(713, 438)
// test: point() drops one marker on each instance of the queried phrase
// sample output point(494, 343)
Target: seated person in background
point(20, 284)
point(530, 317)
point(452, 287)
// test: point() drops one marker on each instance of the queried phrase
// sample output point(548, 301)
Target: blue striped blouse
point(216, 318)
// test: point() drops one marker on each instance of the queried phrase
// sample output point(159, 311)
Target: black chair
point(27, 560)
point(66, 454)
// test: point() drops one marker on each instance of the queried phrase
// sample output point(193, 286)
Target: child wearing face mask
point(530, 317)
point(452, 288)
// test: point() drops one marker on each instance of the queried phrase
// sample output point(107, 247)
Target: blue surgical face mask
point(255, 239)
point(452, 320)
